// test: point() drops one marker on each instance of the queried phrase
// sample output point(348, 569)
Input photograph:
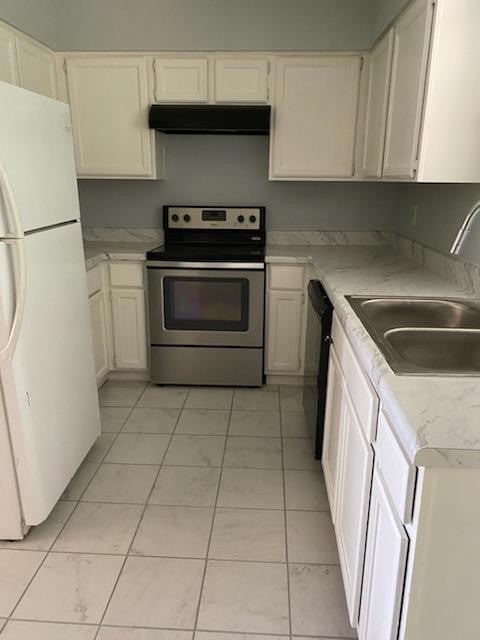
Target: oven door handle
point(239, 266)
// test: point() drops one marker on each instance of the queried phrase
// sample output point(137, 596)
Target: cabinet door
point(354, 481)
point(100, 337)
point(284, 329)
point(407, 89)
point(241, 80)
point(314, 122)
point(384, 573)
point(110, 98)
point(332, 433)
point(36, 68)
point(8, 62)
point(181, 80)
point(377, 105)
point(129, 330)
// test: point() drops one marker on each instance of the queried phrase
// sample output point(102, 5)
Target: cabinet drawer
point(363, 395)
point(124, 274)
point(398, 474)
point(291, 277)
point(94, 280)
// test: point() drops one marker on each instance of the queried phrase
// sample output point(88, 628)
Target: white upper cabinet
point(8, 62)
point(181, 79)
point(110, 98)
point(407, 89)
point(377, 105)
point(36, 67)
point(238, 79)
point(449, 149)
point(315, 116)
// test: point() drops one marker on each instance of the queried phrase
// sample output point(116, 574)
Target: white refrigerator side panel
point(36, 149)
point(52, 401)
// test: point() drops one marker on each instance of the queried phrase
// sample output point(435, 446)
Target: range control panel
point(248, 218)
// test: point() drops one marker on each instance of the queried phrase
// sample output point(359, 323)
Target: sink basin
point(437, 350)
point(424, 336)
point(417, 312)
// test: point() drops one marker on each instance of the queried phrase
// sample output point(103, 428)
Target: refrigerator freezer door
point(49, 385)
point(36, 150)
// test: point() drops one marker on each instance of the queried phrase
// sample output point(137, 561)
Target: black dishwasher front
point(319, 324)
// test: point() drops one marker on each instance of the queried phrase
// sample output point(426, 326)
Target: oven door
point(206, 307)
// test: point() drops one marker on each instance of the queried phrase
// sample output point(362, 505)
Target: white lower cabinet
point(334, 414)
point(347, 461)
point(285, 321)
point(384, 573)
point(285, 330)
point(118, 317)
point(98, 319)
point(353, 497)
point(129, 333)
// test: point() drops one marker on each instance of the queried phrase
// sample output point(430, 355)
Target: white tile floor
point(198, 511)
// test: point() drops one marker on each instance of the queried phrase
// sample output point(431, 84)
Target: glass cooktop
point(207, 253)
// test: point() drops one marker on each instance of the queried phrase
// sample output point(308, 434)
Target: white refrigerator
point(49, 415)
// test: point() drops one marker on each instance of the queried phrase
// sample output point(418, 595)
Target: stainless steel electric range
point(207, 297)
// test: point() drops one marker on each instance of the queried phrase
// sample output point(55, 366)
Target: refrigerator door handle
point(20, 298)
point(15, 229)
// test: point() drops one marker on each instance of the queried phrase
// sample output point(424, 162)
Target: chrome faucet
point(464, 230)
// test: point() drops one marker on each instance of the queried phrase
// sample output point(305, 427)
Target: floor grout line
point(215, 507)
point(286, 528)
point(127, 555)
point(47, 553)
point(202, 584)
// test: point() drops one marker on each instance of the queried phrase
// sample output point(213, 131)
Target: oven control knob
point(186, 217)
point(241, 219)
point(175, 217)
point(253, 218)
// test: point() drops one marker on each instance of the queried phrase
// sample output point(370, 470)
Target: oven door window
point(206, 304)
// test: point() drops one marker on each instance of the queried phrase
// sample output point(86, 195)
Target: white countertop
point(96, 252)
point(436, 418)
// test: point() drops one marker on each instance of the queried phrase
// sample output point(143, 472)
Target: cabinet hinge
point(299, 364)
point(303, 298)
point(362, 62)
point(65, 66)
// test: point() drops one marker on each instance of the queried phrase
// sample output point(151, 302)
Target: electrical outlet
point(413, 215)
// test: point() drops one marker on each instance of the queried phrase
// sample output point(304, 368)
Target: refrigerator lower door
point(49, 384)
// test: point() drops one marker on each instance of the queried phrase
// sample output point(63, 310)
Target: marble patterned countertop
point(436, 418)
point(96, 252)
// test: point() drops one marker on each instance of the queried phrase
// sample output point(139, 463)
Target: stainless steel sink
point(424, 336)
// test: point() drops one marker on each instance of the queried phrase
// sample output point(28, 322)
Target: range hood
point(214, 118)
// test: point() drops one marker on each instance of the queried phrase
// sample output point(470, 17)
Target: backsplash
point(329, 237)
point(465, 274)
point(121, 234)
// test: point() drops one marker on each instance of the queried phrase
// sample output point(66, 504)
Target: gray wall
point(212, 24)
point(383, 12)
point(37, 18)
point(221, 170)
point(441, 210)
